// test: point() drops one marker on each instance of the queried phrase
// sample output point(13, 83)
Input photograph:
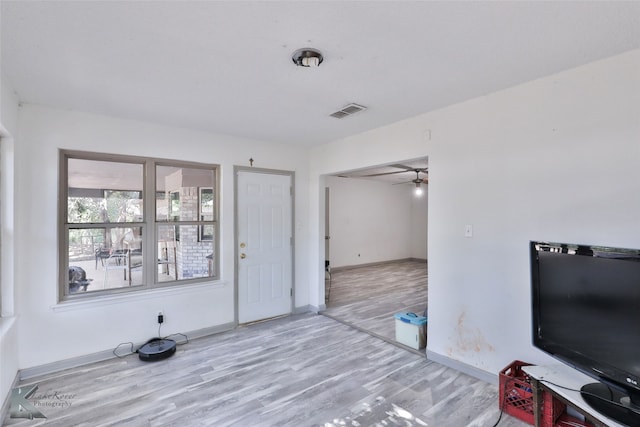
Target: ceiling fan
point(417, 181)
point(418, 191)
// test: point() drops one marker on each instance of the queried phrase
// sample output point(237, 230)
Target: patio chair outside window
point(117, 261)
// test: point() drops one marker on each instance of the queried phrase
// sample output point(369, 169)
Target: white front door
point(264, 245)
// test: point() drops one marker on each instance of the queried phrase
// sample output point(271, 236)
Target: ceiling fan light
point(418, 191)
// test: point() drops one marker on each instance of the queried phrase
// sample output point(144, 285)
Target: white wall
point(556, 159)
point(56, 332)
point(8, 109)
point(373, 221)
point(370, 221)
point(8, 324)
point(419, 224)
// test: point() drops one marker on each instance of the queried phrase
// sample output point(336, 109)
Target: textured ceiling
point(226, 67)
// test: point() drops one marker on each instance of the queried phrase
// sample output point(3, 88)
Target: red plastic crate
point(569, 421)
point(516, 396)
point(552, 409)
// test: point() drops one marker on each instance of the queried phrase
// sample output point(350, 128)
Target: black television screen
point(586, 313)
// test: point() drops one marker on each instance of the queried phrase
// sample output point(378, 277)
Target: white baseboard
point(463, 367)
point(74, 362)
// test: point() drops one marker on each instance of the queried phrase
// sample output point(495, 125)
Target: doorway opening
point(376, 231)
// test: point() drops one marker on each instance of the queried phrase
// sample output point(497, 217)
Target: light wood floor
point(367, 297)
point(304, 370)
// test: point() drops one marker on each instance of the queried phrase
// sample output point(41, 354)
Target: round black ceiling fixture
point(307, 57)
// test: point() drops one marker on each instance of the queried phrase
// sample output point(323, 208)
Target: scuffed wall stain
point(470, 339)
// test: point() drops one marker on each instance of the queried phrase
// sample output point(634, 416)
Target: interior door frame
point(327, 225)
point(236, 264)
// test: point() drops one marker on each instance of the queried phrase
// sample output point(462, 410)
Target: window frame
point(148, 225)
point(202, 236)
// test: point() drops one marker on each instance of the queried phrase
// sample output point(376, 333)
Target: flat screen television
point(586, 313)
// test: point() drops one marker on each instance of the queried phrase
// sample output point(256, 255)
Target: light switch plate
point(468, 230)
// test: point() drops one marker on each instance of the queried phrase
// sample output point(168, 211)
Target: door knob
point(243, 256)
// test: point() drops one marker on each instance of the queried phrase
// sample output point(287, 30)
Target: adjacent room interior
point(376, 245)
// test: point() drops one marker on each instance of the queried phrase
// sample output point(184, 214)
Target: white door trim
point(236, 251)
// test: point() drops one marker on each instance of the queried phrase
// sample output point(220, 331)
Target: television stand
point(545, 378)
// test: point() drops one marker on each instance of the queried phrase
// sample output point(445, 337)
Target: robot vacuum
point(157, 349)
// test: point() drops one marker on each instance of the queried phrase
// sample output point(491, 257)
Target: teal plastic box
point(411, 330)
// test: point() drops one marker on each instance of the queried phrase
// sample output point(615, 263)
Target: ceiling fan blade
point(409, 169)
point(423, 170)
point(379, 174)
point(399, 166)
point(403, 182)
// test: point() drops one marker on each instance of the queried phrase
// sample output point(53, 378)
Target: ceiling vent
point(348, 110)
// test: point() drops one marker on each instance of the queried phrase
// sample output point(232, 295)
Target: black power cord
point(504, 401)
point(186, 338)
point(160, 322)
point(116, 351)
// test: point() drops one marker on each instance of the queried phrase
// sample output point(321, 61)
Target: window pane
point(206, 212)
point(188, 258)
point(206, 204)
point(104, 258)
point(206, 232)
point(178, 196)
point(174, 206)
point(101, 191)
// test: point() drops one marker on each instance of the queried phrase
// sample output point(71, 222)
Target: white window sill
point(100, 301)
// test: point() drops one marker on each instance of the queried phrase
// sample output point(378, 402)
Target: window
point(116, 240)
